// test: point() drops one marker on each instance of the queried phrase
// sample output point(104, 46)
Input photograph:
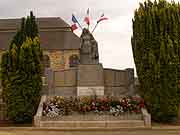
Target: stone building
point(60, 46)
point(72, 62)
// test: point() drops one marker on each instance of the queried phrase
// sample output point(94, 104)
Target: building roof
point(55, 34)
point(51, 22)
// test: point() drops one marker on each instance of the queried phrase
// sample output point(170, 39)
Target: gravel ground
point(34, 131)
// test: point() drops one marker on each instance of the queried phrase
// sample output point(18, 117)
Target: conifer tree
point(155, 45)
point(21, 72)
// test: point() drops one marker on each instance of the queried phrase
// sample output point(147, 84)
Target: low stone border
point(93, 124)
point(93, 117)
point(146, 117)
point(154, 128)
point(37, 117)
point(41, 121)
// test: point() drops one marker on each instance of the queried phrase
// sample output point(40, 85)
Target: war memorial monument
point(72, 69)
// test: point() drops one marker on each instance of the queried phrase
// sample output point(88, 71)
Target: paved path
point(35, 131)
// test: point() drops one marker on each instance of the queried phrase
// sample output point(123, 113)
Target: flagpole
point(76, 21)
point(88, 17)
point(95, 27)
point(79, 25)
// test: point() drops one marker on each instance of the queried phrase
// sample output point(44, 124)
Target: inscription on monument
point(88, 91)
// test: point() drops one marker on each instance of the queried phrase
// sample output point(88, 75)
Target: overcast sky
point(113, 36)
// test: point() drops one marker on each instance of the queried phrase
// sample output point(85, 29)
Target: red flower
point(102, 108)
point(141, 105)
point(93, 107)
point(136, 110)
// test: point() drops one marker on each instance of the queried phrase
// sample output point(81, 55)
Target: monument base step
point(94, 124)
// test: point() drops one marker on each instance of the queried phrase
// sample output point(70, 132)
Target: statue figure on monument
point(89, 48)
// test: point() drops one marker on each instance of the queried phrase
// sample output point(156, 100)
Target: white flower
point(118, 106)
point(121, 109)
point(52, 114)
point(112, 110)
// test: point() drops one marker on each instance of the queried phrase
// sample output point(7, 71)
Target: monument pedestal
point(89, 91)
point(90, 80)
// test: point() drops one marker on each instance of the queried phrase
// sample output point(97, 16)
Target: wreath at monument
point(60, 106)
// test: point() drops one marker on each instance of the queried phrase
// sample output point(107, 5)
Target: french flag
point(87, 19)
point(74, 20)
point(74, 27)
point(102, 18)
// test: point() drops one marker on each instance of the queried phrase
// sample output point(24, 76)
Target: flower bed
point(61, 106)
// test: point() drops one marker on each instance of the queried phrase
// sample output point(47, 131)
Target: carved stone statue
point(89, 48)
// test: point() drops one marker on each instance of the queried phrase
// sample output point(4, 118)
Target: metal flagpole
point(80, 25)
point(95, 27)
point(88, 18)
point(75, 20)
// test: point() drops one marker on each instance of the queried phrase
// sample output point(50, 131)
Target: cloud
point(113, 35)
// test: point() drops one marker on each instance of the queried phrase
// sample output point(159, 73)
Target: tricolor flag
point(74, 27)
point(87, 19)
point(102, 18)
point(74, 20)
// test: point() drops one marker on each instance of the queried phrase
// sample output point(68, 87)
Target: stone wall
point(65, 78)
point(65, 82)
point(115, 78)
point(90, 75)
point(90, 80)
point(59, 60)
point(62, 82)
point(119, 82)
point(65, 91)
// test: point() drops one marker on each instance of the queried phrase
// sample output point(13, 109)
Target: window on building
point(73, 60)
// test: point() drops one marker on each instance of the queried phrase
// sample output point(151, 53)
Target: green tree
point(21, 72)
point(156, 51)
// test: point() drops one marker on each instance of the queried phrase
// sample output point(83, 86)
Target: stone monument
point(90, 71)
point(88, 77)
point(89, 48)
